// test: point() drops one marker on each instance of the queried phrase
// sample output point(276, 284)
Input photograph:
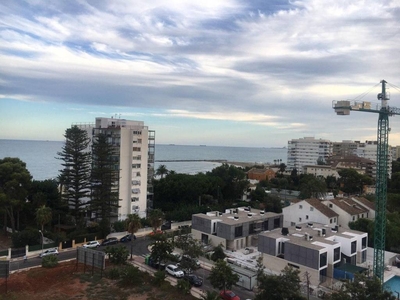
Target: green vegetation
point(49, 261)
point(222, 276)
point(279, 287)
point(104, 178)
point(118, 254)
point(75, 177)
point(362, 288)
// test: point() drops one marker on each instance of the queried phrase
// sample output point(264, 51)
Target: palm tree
point(162, 170)
point(156, 218)
point(43, 216)
point(133, 224)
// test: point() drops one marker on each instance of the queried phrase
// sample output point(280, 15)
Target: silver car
point(174, 271)
point(52, 251)
point(92, 244)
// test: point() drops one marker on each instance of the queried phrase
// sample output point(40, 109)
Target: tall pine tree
point(104, 177)
point(75, 175)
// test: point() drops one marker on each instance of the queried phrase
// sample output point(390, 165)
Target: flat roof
point(238, 215)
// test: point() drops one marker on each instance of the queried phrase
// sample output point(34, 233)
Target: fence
point(45, 246)
point(4, 253)
point(18, 252)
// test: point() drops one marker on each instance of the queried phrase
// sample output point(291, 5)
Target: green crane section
point(343, 107)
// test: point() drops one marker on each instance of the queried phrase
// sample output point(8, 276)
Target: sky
point(225, 73)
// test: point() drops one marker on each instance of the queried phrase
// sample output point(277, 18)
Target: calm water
point(40, 156)
point(393, 285)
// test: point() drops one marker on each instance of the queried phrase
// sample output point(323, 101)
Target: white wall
point(293, 213)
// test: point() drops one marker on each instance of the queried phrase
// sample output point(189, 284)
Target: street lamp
point(42, 239)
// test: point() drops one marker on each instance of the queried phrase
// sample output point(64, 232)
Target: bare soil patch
point(66, 282)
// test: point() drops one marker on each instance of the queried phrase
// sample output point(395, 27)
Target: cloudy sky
point(226, 72)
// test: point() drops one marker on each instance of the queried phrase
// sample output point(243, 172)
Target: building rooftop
point(238, 215)
point(312, 234)
point(365, 202)
point(350, 206)
point(318, 205)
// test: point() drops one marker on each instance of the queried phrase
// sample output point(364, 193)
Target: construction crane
point(343, 107)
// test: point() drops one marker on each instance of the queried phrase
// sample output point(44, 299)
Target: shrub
point(218, 253)
point(113, 273)
point(184, 286)
point(130, 276)
point(119, 226)
point(118, 255)
point(159, 277)
point(49, 261)
point(29, 237)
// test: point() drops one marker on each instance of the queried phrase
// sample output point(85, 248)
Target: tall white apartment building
point(307, 151)
point(369, 150)
point(135, 144)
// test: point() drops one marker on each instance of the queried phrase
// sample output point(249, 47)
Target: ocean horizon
point(40, 156)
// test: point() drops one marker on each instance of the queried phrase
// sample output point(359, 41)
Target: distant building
point(360, 164)
point(348, 210)
point(369, 150)
point(344, 148)
point(261, 174)
point(235, 228)
point(307, 151)
point(308, 210)
point(135, 145)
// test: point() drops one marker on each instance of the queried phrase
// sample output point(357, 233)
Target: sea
point(42, 160)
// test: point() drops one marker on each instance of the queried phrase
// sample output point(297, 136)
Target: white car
point(174, 271)
point(92, 244)
point(48, 252)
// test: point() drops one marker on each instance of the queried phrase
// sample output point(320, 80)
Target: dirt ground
point(67, 282)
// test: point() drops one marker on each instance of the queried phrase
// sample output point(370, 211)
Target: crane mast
point(343, 107)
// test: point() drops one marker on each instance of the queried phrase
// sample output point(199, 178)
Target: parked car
point(92, 244)
point(193, 280)
point(127, 238)
point(109, 241)
point(228, 295)
point(174, 271)
point(52, 251)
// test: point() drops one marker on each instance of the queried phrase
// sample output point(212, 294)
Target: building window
point(300, 206)
point(336, 254)
point(238, 231)
point(323, 259)
point(364, 256)
point(354, 218)
point(353, 247)
point(330, 220)
point(306, 217)
point(277, 223)
point(292, 224)
point(334, 220)
point(311, 208)
point(299, 219)
point(364, 242)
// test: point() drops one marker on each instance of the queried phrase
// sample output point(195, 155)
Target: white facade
point(321, 171)
point(307, 151)
point(304, 212)
point(348, 210)
point(369, 150)
point(132, 138)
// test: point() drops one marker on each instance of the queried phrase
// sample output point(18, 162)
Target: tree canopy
point(75, 174)
point(15, 181)
point(222, 276)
